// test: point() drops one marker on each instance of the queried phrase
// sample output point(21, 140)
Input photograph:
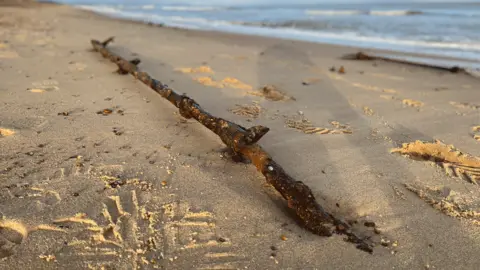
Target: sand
point(98, 172)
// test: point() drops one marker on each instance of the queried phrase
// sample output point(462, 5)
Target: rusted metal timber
point(243, 142)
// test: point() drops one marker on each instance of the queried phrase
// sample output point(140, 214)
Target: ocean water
point(448, 29)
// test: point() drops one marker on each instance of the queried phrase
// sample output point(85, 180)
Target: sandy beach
point(97, 171)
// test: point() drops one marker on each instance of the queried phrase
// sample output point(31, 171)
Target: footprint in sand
point(249, 111)
point(449, 202)
point(13, 233)
point(453, 162)
point(307, 127)
point(44, 86)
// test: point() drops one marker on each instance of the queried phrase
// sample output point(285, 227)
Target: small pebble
point(283, 237)
point(384, 242)
point(370, 224)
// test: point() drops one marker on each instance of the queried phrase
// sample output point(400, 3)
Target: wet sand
point(138, 186)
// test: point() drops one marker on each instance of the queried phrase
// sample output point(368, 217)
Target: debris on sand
point(108, 111)
point(236, 83)
point(412, 103)
point(403, 60)
point(310, 81)
point(368, 111)
point(341, 70)
point(465, 105)
point(208, 81)
point(454, 162)
point(5, 132)
point(228, 82)
point(476, 129)
point(200, 69)
point(105, 111)
point(271, 92)
point(48, 258)
point(118, 131)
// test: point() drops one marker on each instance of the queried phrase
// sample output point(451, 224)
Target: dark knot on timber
point(186, 106)
point(254, 134)
point(135, 61)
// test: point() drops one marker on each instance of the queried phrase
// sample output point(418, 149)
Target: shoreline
point(463, 62)
point(97, 170)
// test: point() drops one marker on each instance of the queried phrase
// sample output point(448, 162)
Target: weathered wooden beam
point(243, 142)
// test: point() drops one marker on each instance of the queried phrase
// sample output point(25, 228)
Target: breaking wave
point(308, 30)
point(190, 8)
point(333, 12)
point(363, 12)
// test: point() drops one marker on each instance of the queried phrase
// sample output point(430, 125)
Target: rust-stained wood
point(243, 142)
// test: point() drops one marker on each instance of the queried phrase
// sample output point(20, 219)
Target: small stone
point(283, 237)
point(369, 224)
point(395, 244)
point(164, 183)
point(384, 242)
point(273, 248)
point(341, 70)
point(221, 240)
point(75, 194)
